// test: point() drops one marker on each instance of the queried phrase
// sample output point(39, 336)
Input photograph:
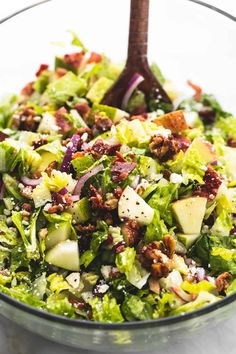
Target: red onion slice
point(135, 182)
point(75, 198)
point(132, 85)
point(200, 273)
point(31, 181)
point(71, 148)
point(181, 294)
point(83, 179)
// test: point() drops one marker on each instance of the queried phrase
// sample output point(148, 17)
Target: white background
point(14, 340)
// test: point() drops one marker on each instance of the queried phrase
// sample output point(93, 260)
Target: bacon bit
point(78, 304)
point(119, 158)
point(96, 197)
point(27, 207)
point(99, 149)
point(121, 170)
point(36, 144)
point(131, 232)
point(102, 122)
point(175, 121)
point(85, 229)
point(170, 245)
point(141, 117)
point(74, 59)
point(231, 142)
point(212, 183)
point(117, 192)
point(28, 89)
point(78, 154)
point(154, 285)
point(164, 148)
point(42, 68)
point(198, 90)
point(83, 109)
point(60, 72)
point(222, 281)
point(61, 120)
point(94, 58)
point(114, 273)
point(52, 166)
point(119, 247)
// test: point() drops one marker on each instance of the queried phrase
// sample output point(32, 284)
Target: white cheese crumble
point(176, 178)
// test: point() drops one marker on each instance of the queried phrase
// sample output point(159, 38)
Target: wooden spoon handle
point(138, 32)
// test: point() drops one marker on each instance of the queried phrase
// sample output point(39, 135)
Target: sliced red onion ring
point(31, 181)
point(132, 85)
point(135, 182)
point(200, 272)
point(75, 198)
point(63, 191)
point(71, 148)
point(83, 180)
point(181, 294)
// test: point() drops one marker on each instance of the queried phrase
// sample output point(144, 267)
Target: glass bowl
point(188, 40)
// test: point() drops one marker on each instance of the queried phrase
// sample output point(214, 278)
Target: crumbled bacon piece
point(3, 136)
point(96, 197)
point(212, 183)
point(100, 148)
point(222, 281)
point(141, 117)
point(74, 59)
point(131, 232)
point(28, 89)
point(121, 170)
point(60, 72)
point(198, 90)
point(94, 58)
point(61, 120)
point(83, 109)
point(42, 68)
point(164, 148)
point(27, 207)
point(119, 247)
point(102, 122)
point(78, 154)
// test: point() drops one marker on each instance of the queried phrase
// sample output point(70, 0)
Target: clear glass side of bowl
point(188, 41)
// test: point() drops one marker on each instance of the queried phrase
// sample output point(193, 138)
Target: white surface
point(14, 340)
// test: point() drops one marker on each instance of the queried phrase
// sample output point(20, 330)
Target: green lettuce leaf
point(82, 164)
point(156, 230)
point(133, 308)
point(106, 309)
point(7, 107)
point(223, 260)
point(60, 305)
point(23, 294)
point(204, 298)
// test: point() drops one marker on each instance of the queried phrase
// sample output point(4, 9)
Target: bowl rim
point(166, 321)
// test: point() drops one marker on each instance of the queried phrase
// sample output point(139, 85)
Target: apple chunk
point(205, 150)
point(64, 255)
point(175, 121)
point(189, 214)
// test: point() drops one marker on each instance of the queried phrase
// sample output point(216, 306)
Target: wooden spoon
point(137, 71)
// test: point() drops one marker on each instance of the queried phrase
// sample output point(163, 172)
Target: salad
point(114, 215)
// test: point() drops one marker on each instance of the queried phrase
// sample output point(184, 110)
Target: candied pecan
point(170, 245)
point(83, 109)
point(36, 144)
point(167, 174)
point(52, 166)
point(96, 197)
point(81, 131)
point(64, 200)
point(231, 142)
point(60, 72)
point(131, 232)
point(74, 59)
point(85, 229)
point(108, 218)
point(121, 170)
point(102, 122)
point(100, 148)
point(222, 281)
point(25, 119)
point(62, 122)
point(55, 209)
point(164, 148)
point(119, 247)
point(212, 183)
point(117, 192)
point(42, 68)
point(159, 270)
point(28, 89)
point(198, 90)
point(154, 285)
